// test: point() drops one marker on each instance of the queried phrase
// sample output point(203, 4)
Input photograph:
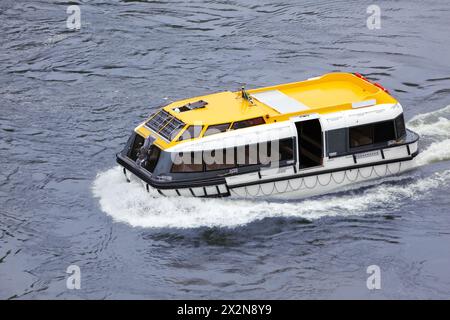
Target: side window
point(264, 152)
point(230, 157)
point(242, 156)
point(217, 128)
point(384, 132)
point(252, 154)
point(190, 133)
point(137, 144)
point(337, 141)
point(286, 149)
point(220, 160)
point(153, 158)
point(188, 162)
point(283, 151)
point(247, 155)
point(247, 123)
point(361, 135)
point(400, 126)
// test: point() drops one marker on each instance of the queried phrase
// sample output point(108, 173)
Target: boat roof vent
point(192, 106)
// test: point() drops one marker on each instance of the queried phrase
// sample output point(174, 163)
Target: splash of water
point(434, 130)
point(139, 208)
point(433, 124)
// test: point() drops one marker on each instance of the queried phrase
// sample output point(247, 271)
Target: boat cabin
point(321, 123)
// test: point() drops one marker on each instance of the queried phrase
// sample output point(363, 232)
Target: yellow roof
point(332, 92)
point(222, 107)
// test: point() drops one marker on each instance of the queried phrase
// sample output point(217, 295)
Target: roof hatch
point(191, 106)
point(279, 101)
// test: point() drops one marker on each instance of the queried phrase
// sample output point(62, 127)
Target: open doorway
point(310, 143)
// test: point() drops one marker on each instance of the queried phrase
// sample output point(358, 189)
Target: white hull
point(298, 188)
point(295, 188)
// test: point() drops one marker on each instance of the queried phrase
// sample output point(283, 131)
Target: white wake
point(434, 131)
point(131, 203)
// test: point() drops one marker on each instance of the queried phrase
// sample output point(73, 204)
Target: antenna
point(245, 95)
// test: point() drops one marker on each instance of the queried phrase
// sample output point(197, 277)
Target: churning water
point(70, 99)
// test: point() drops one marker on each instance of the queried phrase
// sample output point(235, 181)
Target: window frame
point(341, 133)
point(397, 136)
point(214, 125)
point(368, 147)
point(349, 141)
point(392, 123)
point(158, 156)
point(293, 149)
point(258, 164)
point(192, 158)
point(233, 166)
point(235, 122)
point(187, 128)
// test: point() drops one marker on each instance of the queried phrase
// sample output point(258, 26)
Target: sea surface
point(69, 100)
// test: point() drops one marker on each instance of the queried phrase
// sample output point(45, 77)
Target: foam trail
point(437, 151)
point(130, 203)
point(432, 124)
point(434, 130)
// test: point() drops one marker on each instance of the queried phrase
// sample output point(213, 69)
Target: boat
point(287, 141)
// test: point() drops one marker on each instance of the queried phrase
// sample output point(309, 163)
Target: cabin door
point(309, 143)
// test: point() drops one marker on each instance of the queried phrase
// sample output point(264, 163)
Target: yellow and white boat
point(291, 140)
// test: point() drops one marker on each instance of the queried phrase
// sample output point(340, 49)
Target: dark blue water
point(68, 100)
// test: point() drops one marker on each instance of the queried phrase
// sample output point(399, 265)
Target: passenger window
point(217, 128)
point(384, 131)
point(220, 160)
point(361, 135)
point(264, 152)
point(230, 157)
point(286, 149)
point(337, 141)
point(137, 144)
point(242, 155)
point(247, 123)
point(153, 157)
point(400, 126)
point(188, 162)
point(252, 154)
point(190, 133)
point(247, 155)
